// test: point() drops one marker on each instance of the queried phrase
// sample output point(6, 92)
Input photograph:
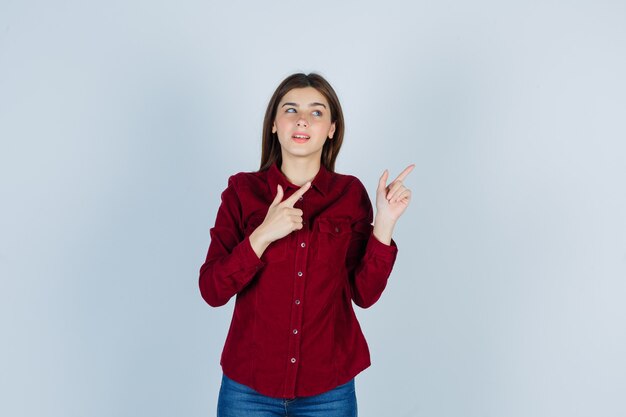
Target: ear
point(274, 127)
point(331, 131)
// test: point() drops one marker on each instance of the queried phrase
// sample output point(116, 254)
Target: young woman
point(294, 242)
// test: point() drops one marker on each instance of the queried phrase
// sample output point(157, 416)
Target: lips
point(300, 137)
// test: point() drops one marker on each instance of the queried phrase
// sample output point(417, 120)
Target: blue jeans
point(237, 400)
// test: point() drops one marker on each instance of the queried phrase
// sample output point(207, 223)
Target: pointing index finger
point(404, 173)
point(299, 193)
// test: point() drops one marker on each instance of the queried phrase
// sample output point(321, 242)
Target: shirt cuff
point(378, 249)
point(248, 257)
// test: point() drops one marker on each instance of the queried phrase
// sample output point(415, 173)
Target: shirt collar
point(321, 182)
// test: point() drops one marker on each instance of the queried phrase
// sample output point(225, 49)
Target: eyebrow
point(310, 105)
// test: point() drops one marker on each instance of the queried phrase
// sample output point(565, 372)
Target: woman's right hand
point(281, 219)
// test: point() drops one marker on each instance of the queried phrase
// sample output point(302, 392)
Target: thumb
point(382, 182)
point(279, 196)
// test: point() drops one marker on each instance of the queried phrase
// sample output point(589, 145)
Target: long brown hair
point(271, 147)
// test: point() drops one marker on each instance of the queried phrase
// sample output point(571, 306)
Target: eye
point(317, 113)
point(289, 110)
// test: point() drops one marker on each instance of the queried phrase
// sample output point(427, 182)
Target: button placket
point(301, 242)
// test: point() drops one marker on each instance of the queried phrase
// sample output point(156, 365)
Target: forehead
point(304, 96)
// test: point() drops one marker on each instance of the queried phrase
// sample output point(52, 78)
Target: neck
point(299, 171)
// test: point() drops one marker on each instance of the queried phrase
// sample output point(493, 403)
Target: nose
point(302, 122)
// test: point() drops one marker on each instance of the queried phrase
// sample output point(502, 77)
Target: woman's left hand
point(392, 199)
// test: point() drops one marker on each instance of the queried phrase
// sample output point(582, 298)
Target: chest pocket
point(332, 238)
point(277, 250)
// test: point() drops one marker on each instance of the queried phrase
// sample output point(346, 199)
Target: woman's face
point(303, 123)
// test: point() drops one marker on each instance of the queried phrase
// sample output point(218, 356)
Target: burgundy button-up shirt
point(294, 332)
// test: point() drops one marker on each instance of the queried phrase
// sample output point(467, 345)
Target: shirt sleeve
point(231, 263)
point(369, 261)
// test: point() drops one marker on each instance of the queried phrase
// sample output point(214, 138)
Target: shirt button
point(293, 360)
point(299, 273)
point(303, 244)
point(295, 331)
point(301, 198)
point(297, 302)
point(336, 230)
